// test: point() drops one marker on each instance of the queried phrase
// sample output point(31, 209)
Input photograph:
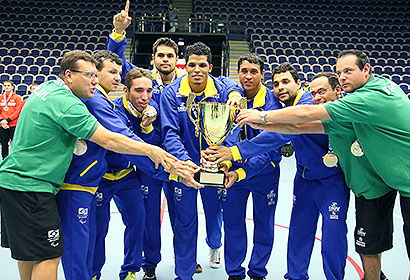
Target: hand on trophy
point(230, 179)
point(185, 170)
point(234, 100)
point(248, 116)
point(217, 154)
point(121, 20)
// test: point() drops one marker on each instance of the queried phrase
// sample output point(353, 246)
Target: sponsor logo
point(360, 242)
point(178, 193)
point(182, 107)
point(53, 237)
point(99, 197)
point(294, 200)
point(156, 90)
point(222, 194)
point(334, 209)
point(82, 215)
point(361, 232)
point(145, 191)
point(271, 196)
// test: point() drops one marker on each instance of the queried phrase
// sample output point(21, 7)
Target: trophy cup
point(215, 121)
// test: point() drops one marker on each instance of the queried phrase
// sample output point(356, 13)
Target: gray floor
point(395, 263)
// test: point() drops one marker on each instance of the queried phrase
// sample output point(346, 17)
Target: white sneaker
point(214, 258)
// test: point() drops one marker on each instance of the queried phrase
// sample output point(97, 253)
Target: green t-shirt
point(360, 176)
point(380, 116)
point(48, 127)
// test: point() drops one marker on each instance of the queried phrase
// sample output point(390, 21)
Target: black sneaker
point(198, 268)
point(256, 278)
point(382, 276)
point(236, 277)
point(149, 274)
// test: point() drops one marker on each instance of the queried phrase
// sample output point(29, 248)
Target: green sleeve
point(78, 121)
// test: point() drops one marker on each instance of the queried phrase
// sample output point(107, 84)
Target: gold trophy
point(215, 121)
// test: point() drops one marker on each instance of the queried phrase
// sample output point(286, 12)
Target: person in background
point(10, 107)
point(173, 18)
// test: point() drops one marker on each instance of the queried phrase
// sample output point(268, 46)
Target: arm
point(294, 114)
point(314, 127)
point(122, 144)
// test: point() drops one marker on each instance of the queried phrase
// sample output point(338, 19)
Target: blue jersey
point(178, 131)
point(86, 170)
point(256, 165)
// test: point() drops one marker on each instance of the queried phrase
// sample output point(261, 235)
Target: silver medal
point(356, 149)
point(80, 147)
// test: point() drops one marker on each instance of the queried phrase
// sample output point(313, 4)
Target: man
point(363, 112)
point(33, 172)
point(76, 198)
point(306, 86)
point(178, 136)
point(165, 57)
point(122, 183)
point(250, 177)
point(319, 187)
point(10, 104)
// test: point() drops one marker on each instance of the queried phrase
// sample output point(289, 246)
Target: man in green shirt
point(50, 123)
point(377, 112)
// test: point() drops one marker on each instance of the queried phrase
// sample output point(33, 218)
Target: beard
point(166, 72)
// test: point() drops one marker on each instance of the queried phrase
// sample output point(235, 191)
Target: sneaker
point(214, 258)
point(256, 278)
point(198, 268)
point(131, 276)
point(149, 274)
point(236, 277)
point(94, 277)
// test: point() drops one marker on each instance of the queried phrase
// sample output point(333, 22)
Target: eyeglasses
point(320, 91)
point(89, 75)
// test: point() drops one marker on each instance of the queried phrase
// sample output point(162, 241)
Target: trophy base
point(211, 179)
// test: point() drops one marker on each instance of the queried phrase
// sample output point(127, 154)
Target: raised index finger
point(127, 6)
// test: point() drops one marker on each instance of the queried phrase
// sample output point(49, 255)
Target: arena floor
point(394, 263)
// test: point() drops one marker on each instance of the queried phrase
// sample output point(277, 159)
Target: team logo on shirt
point(82, 215)
point(99, 198)
point(178, 94)
point(271, 197)
point(294, 200)
point(334, 210)
point(360, 234)
point(156, 90)
point(53, 237)
point(178, 193)
point(145, 191)
point(182, 107)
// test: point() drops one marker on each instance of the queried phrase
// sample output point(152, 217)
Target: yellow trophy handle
point(190, 104)
point(243, 104)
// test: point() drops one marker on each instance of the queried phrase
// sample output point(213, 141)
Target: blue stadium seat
point(6, 59)
point(11, 69)
point(378, 69)
point(16, 78)
point(33, 69)
point(396, 78)
point(3, 51)
point(22, 89)
point(28, 79)
point(388, 70)
point(39, 79)
point(55, 70)
point(35, 52)
point(22, 69)
point(4, 76)
point(45, 70)
point(306, 68)
point(14, 51)
point(51, 61)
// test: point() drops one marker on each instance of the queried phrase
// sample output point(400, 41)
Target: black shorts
point(374, 224)
point(30, 225)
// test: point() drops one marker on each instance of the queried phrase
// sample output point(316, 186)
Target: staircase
point(236, 49)
point(185, 10)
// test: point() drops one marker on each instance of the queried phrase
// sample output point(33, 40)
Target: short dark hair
point(9, 81)
point(332, 78)
point(362, 58)
point(103, 55)
point(198, 48)
point(251, 58)
point(164, 41)
point(285, 67)
point(134, 74)
point(69, 61)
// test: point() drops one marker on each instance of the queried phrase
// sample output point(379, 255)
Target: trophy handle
point(190, 104)
point(243, 104)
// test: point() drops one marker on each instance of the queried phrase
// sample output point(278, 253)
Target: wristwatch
point(263, 116)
